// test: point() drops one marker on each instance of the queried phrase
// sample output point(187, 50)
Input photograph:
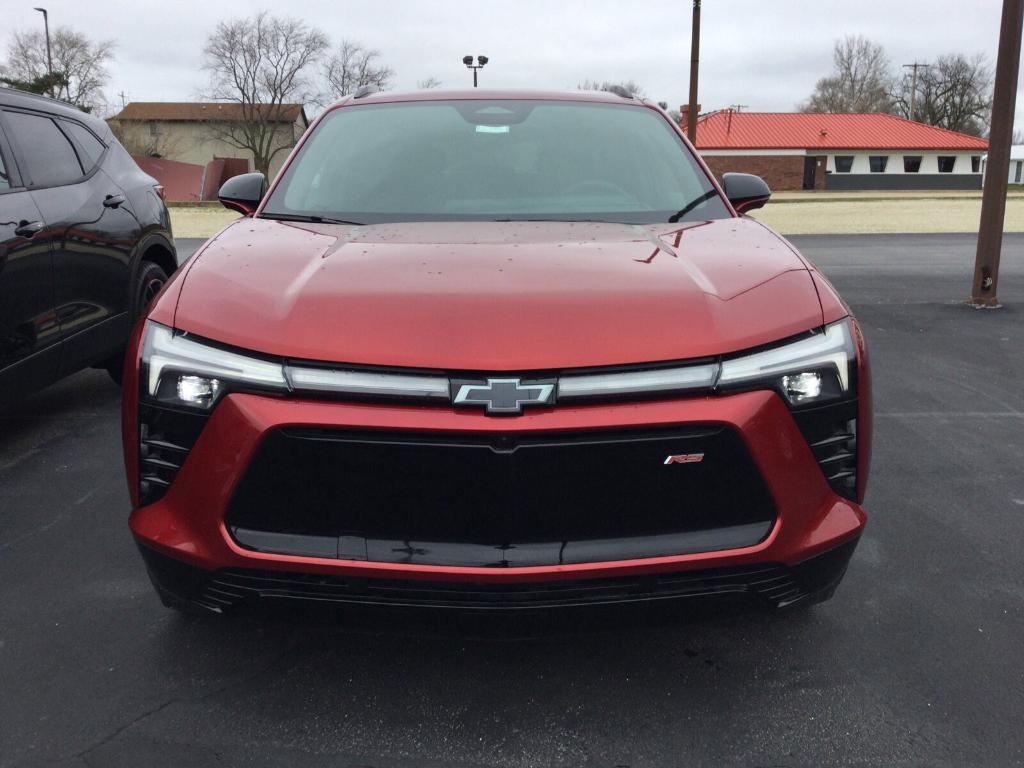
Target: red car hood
point(497, 296)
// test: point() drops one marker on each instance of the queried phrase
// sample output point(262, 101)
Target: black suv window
point(48, 153)
point(90, 148)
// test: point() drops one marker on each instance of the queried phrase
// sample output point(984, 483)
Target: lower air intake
point(831, 432)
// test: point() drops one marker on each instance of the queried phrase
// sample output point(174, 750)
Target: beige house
point(199, 132)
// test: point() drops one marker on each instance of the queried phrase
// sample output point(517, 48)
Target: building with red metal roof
point(813, 150)
point(185, 147)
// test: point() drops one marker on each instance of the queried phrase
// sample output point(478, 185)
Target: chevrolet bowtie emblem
point(503, 396)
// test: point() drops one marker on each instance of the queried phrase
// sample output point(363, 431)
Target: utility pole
point(913, 83)
point(993, 199)
point(49, 58)
point(124, 99)
point(691, 114)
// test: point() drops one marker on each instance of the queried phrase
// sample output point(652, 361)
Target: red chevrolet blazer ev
point(496, 350)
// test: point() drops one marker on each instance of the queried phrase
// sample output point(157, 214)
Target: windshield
point(495, 160)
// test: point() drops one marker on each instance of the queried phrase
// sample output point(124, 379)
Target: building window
point(975, 163)
point(911, 163)
point(844, 163)
point(878, 163)
point(154, 129)
point(946, 163)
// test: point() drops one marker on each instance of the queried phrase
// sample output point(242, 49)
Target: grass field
point(884, 216)
point(791, 213)
point(199, 221)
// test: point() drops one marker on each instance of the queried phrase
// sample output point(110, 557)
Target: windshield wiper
point(307, 218)
point(691, 205)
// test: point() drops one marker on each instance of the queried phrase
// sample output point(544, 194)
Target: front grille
point(165, 438)
point(831, 432)
point(775, 583)
point(221, 591)
point(500, 500)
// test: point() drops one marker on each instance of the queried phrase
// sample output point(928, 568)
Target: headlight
point(816, 369)
point(179, 371)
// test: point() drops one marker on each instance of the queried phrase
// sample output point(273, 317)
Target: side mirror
point(745, 191)
point(243, 193)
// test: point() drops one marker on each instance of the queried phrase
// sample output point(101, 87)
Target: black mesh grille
point(220, 591)
point(500, 500)
point(165, 438)
point(775, 583)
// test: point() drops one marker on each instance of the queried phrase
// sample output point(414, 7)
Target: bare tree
point(955, 93)
point(861, 79)
point(428, 83)
point(625, 88)
point(352, 66)
point(261, 63)
point(80, 64)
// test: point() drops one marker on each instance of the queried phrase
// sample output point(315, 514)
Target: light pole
point(46, 25)
point(480, 61)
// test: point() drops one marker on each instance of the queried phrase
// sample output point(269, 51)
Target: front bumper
point(193, 556)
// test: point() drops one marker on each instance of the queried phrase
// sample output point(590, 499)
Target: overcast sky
point(766, 55)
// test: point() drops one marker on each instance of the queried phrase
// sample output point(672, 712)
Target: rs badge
point(685, 458)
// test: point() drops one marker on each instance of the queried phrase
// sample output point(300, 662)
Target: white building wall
point(929, 161)
point(1016, 174)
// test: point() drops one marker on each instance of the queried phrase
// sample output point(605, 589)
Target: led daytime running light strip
point(164, 351)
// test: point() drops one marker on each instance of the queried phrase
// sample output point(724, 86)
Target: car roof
point(12, 97)
point(436, 94)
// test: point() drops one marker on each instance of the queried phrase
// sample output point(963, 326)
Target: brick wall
point(781, 172)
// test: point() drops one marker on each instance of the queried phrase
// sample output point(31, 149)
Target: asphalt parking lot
point(918, 660)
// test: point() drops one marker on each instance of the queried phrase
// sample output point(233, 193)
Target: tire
point(147, 284)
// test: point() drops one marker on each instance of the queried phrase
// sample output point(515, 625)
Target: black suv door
point(29, 332)
point(91, 228)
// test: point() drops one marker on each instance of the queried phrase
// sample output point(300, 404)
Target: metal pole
point(913, 85)
point(691, 114)
point(913, 92)
point(49, 58)
point(474, 77)
point(993, 200)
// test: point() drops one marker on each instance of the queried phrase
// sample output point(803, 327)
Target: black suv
point(85, 243)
